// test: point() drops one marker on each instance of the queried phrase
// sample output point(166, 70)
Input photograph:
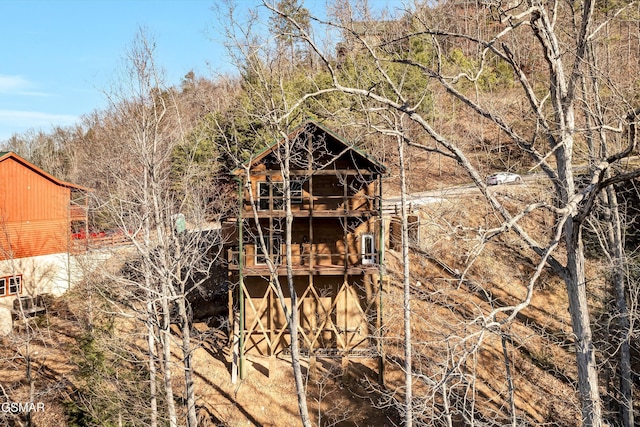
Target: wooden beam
point(323, 172)
point(329, 213)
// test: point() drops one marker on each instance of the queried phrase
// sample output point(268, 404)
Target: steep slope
point(462, 284)
point(460, 361)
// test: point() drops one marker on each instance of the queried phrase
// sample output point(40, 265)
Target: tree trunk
point(406, 286)
point(293, 316)
point(290, 315)
point(187, 359)
point(153, 392)
point(165, 339)
point(579, 309)
point(616, 245)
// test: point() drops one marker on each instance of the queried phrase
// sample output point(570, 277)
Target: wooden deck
point(77, 212)
point(313, 213)
point(318, 270)
point(84, 244)
point(324, 264)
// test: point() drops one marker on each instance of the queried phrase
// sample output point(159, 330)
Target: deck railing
point(302, 261)
point(320, 203)
point(77, 212)
point(80, 242)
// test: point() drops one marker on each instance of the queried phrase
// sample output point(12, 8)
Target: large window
point(368, 249)
point(270, 196)
point(274, 248)
point(10, 285)
point(296, 190)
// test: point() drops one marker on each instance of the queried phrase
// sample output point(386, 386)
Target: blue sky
point(58, 57)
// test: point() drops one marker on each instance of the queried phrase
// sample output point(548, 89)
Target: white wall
point(47, 274)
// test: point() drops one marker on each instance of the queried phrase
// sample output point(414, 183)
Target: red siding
point(33, 238)
point(34, 212)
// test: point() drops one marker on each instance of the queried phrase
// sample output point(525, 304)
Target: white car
point(503, 178)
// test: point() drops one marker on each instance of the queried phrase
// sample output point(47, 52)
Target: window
point(263, 196)
point(270, 196)
point(10, 285)
point(15, 285)
point(368, 249)
point(296, 190)
point(274, 248)
point(277, 190)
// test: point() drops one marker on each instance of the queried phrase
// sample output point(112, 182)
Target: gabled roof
point(4, 155)
point(373, 164)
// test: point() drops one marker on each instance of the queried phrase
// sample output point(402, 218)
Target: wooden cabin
point(336, 251)
point(37, 215)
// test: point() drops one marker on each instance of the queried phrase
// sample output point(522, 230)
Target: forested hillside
point(507, 305)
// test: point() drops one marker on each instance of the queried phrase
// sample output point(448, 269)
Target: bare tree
point(395, 128)
point(522, 38)
point(264, 81)
point(291, 314)
point(166, 213)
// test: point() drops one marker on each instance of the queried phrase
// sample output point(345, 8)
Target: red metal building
point(37, 210)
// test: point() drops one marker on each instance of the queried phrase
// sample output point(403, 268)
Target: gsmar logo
point(21, 407)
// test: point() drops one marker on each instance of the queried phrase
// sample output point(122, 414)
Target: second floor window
point(368, 249)
point(274, 249)
point(270, 196)
point(15, 285)
point(296, 190)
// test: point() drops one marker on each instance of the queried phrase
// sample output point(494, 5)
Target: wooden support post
point(345, 369)
point(313, 330)
point(235, 353)
point(381, 270)
point(232, 319)
point(272, 366)
point(270, 321)
point(313, 368)
point(271, 325)
point(345, 325)
point(378, 335)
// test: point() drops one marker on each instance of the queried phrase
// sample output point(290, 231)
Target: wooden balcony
point(324, 263)
point(317, 206)
point(77, 212)
point(82, 242)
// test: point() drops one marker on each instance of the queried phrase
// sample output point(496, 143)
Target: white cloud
point(36, 117)
point(13, 83)
point(17, 85)
point(15, 121)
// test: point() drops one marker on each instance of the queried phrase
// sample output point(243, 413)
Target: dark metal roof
point(373, 163)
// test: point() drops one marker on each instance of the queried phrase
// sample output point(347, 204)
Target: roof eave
point(382, 169)
point(9, 154)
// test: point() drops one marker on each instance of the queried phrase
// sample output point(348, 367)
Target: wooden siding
point(34, 238)
point(327, 250)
